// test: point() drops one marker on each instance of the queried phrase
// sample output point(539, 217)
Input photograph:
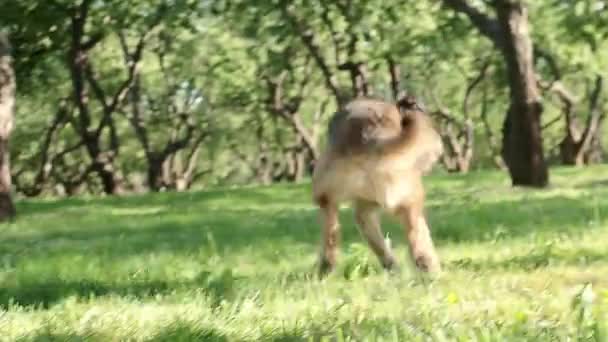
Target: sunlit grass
point(238, 265)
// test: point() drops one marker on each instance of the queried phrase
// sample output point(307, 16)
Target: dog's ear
point(408, 103)
point(408, 106)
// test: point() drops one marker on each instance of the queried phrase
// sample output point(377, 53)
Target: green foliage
point(239, 265)
point(227, 53)
point(359, 263)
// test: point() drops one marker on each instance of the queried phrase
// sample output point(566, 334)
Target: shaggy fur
point(376, 157)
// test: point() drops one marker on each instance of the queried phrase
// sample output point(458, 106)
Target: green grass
point(238, 265)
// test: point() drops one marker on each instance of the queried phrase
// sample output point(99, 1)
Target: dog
point(376, 156)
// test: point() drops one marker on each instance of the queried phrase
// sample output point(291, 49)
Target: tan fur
point(377, 155)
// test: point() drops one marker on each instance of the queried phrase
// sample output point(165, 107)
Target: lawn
point(238, 265)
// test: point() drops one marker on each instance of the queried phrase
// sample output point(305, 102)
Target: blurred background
point(136, 96)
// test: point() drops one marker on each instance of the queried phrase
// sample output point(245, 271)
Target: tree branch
point(494, 147)
point(485, 24)
point(95, 38)
point(123, 89)
point(393, 70)
point(552, 122)
point(329, 24)
point(476, 81)
point(191, 159)
point(551, 62)
point(276, 105)
point(134, 92)
point(595, 115)
point(308, 39)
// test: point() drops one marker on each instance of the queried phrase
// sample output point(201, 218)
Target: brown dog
point(376, 157)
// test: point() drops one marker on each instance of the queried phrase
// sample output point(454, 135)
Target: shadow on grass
point(226, 197)
point(47, 336)
point(470, 221)
point(234, 229)
point(176, 233)
point(593, 184)
point(184, 332)
point(533, 260)
point(177, 332)
point(43, 293)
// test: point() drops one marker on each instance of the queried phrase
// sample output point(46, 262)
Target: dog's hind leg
point(421, 244)
point(368, 222)
point(330, 236)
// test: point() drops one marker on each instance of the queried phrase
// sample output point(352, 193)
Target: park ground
point(238, 265)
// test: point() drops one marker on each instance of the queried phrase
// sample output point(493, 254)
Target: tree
point(522, 144)
point(7, 103)
point(522, 134)
point(571, 64)
point(83, 141)
point(174, 110)
point(172, 95)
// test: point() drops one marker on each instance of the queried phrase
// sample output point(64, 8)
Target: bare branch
point(476, 81)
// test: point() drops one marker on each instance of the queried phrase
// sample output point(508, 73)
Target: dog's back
point(374, 150)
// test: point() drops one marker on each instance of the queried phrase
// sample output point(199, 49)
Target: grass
point(237, 265)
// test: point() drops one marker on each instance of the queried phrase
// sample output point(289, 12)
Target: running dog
point(376, 155)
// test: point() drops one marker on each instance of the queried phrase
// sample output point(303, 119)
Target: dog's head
point(408, 103)
point(409, 106)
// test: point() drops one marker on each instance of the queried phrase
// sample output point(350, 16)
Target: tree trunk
point(458, 141)
point(522, 148)
point(102, 162)
point(394, 72)
point(570, 148)
point(112, 183)
point(156, 172)
point(595, 154)
point(568, 152)
point(264, 171)
point(581, 146)
point(299, 159)
point(522, 137)
point(7, 104)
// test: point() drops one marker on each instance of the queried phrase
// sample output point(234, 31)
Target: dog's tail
point(402, 130)
point(418, 144)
